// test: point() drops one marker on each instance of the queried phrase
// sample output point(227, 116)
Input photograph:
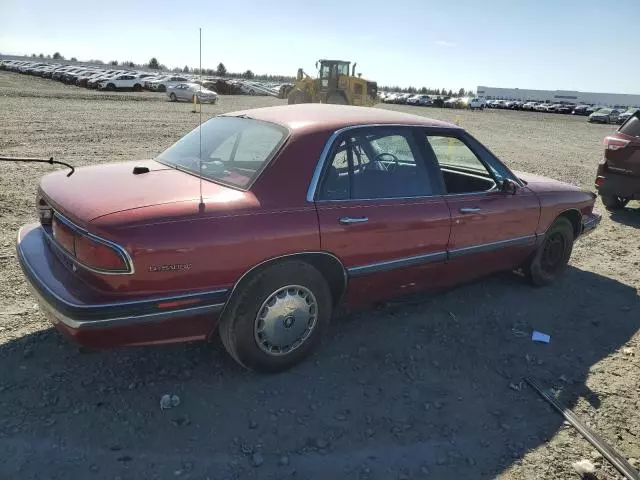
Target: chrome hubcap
point(285, 320)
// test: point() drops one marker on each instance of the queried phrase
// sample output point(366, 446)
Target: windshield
point(234, 150)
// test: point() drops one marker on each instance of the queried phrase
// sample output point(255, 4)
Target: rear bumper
point(617, 184)
point(98, 320)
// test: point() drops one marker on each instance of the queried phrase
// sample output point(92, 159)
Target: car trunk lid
point(100, 190)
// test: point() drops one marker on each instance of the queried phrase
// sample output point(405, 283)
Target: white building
point(559, 96)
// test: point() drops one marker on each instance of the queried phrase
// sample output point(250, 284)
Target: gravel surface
point(424, 387)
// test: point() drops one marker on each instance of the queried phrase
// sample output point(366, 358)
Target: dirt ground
point(428, 387)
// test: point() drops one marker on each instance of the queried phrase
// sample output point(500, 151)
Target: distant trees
point(41, 56)
point(57, 56)
point(33, 55)
point(153, 63)
point(185, 69)
point(129, 64)
point(248, 75)
point(221, 70)
point(74, 59)
point(114, 63)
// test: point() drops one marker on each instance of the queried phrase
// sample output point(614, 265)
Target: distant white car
point(187, 91)
point(476, 103)
point(127, 81)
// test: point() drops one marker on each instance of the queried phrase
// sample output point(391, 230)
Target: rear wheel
point(613, 202)
point(551, 258)
point(111, 87)
point(278, 317)
point(172, 97)
point(137, 87)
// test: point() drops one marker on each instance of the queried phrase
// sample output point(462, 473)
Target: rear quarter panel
point(217, 246)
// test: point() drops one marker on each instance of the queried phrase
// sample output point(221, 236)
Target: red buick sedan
point(261, 223)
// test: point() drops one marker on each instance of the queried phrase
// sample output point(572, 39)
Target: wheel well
point(575, 217)
point(329, 266)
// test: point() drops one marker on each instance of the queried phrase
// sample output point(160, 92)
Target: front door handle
point(350, 220)
point(470, 209)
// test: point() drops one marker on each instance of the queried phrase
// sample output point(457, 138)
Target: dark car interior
point(383, 166)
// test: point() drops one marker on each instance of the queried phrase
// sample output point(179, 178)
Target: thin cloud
point(444, 43)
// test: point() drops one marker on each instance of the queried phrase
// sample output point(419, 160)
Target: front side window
point(462, 171)
point(234, 150)
point(375, 164)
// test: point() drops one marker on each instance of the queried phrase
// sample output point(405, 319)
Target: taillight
point(614, 143)
point(98, 255)
point(63, 235)
point(89, 251)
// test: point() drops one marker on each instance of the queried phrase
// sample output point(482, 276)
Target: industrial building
point(560, 96)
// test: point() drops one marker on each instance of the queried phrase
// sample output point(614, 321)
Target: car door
point(491, 229)
point(381, 212)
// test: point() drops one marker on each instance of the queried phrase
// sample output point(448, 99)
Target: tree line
point(221, 71)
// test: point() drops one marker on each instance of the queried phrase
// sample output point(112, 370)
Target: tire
point(172, 97)
point(612, 202)
point(240, 326)
point(137, 87)
point(337, 99)
point(111, 87)
point(550, 260)
point(297, 96)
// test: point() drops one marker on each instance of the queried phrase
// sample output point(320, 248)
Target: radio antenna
point(201, 206)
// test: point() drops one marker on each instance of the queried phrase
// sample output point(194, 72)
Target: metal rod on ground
point(50, 161)
point(617, 460)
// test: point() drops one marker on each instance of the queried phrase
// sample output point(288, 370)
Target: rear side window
point(375, 164)
point(632, 126)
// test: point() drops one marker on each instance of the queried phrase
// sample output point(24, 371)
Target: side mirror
point(509, 187)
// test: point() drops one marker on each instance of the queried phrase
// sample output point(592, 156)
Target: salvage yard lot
point(424, 387)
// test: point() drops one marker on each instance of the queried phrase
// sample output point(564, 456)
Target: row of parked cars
point(425, 100)
point(177, 86)
point(595, 114)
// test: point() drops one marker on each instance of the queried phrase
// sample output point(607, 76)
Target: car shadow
point(629, 216)
point(425, 387)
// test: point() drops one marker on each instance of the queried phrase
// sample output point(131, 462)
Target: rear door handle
point(470, 209)
point(350, 220)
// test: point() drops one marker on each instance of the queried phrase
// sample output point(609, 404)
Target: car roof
point(315, 117)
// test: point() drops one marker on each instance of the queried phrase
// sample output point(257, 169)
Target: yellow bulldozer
point(336, 83)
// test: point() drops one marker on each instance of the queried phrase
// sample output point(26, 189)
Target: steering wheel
point(376, 163)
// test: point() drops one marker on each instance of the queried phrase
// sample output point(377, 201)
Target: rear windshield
point(234, 150)
point(632, 126)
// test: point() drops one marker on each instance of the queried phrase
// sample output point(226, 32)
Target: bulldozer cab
point(330, 71)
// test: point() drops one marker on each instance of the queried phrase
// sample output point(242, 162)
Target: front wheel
point(278, 317)
point(551, 258)
point(613, 202)
point(337, 99)
point(173, 97)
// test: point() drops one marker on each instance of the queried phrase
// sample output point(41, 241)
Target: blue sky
point(587, 45)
